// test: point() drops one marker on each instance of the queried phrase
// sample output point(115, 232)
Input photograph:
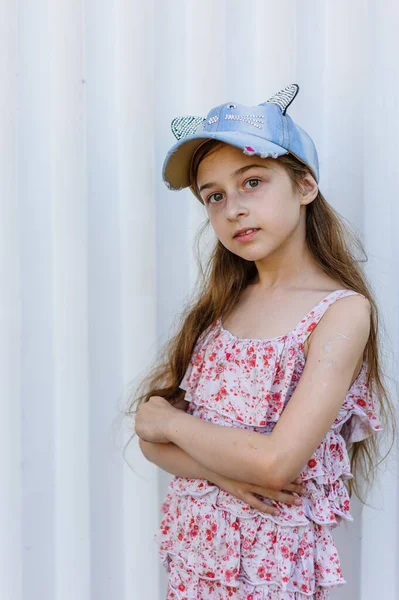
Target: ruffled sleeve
point(359, 415)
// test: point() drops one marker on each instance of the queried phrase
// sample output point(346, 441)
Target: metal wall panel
point(97, 255)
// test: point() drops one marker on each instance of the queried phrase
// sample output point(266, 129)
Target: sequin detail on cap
point(184, 126)
point(255, 120)
point(284, 97)
point(212, 120)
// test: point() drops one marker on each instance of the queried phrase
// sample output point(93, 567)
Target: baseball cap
point(266, 130)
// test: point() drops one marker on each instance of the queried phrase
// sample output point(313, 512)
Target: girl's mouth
point(244, 237)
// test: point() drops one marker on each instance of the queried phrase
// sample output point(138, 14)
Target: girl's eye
point(208, 200)
point(252, 179)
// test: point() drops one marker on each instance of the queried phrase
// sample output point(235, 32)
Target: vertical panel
point(134, 82)
point(346, 74)
point(380, 552)
point(10, 330)
point(240, 23)
point(308, 108)
point(67, 181)
point(106, 467)
point(37, 349)
point(272, 65)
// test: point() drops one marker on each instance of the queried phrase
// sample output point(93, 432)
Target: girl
point(274, 377)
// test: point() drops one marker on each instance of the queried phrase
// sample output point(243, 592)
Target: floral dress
point(216, 546)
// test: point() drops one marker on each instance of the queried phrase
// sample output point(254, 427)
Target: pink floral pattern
point(215, 546)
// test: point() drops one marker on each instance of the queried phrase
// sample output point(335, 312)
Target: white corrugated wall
point(96, 255)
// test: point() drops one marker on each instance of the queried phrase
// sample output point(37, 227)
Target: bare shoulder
point(348, 316)
point(354, 306)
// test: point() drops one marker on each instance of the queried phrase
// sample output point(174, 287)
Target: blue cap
point(265, 130)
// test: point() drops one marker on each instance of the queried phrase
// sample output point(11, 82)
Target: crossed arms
point(201, 449)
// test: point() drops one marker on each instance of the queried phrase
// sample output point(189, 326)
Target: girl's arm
point(173, 459)
point(337, 345)
point(176, 461)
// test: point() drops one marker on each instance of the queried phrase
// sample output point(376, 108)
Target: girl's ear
point(308, 189)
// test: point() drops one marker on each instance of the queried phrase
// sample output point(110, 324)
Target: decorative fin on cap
point(284, 97)
point(184, 126)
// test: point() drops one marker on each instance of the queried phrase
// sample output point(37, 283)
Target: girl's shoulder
point(312, 318)
point(302, 329)
point(300, 333)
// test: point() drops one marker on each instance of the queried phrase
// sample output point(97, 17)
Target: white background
point(97, 257)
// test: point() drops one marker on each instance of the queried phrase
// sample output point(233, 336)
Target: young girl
point(274, 378)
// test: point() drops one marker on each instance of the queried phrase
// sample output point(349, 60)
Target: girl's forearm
point(176, 461)
point(236, 453)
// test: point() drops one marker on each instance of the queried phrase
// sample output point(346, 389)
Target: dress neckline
point(278, 337)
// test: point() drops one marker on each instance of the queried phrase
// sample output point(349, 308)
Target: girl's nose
point(235, 206)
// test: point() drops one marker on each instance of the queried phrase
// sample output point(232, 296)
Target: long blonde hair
point(226, 275)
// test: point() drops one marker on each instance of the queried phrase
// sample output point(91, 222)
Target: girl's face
point(241, 191)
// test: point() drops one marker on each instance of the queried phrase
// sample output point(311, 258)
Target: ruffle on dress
point(185, 584)
point(251, 382)
point(209, 539)
point(359, 416)
point(201, 543)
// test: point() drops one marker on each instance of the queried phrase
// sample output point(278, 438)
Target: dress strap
point(309, 322)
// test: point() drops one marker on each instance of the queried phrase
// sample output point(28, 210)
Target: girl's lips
point(246, 237)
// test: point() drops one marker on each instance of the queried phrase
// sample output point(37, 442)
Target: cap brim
point(176, 166)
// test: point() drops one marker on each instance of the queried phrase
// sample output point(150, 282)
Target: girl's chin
point(250, 252)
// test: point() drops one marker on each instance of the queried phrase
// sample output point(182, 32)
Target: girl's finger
point(276, 494)
point(271, 494)
point(294, 487)
point(282, 497)
point(261, 506)
point(288, 499)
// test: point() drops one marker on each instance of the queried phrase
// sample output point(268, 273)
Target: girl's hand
point(152, 418)
point(247, 492)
